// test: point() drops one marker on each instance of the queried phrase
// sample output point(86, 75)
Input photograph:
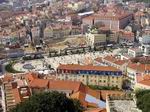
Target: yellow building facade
point(102, 77)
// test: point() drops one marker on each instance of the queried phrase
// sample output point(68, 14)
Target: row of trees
point(95, 87)
point(78, 51)
point(9, 68)
point(49, 102)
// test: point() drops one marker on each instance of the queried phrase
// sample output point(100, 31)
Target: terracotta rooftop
point(104, 93)
point(110, 58)
point(7, 78)
point(39, 83)
point(114, 60)
point(87, 67)
point(139, 67)
point(31, 76)
point(112, 12)
point(120, 62)
point(127, 35)
point(145, 80)
point(99, 59)
point(81, 97)
point(88, 18)
point(66, 85)
point(16, 94)
point(92, 92)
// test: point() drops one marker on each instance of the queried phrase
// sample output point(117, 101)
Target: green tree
point(143, 100)
point(96, 87)
point(126, 84)
point(49, 102)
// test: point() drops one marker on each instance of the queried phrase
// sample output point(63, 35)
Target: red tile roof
point(99, 59)
point(145, 80)
point(92, 92)
point(31, 76)
point(20, 96)
point(139, 67)
point(114, 60)
point(86, 67)
point(109, 58)
point(88, 18)
point(16, 94)
point(81, 97)
point(8, 77)
point(39, 83)
point(112, 12)
point(66, 85)
point(104, 93)
point(120, 62)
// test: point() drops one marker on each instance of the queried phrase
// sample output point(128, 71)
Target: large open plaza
point(54, 62)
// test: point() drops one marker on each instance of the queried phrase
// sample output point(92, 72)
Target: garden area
point(9, 68)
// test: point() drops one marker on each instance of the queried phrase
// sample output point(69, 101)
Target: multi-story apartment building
point(112, 16)
point(14, 92)
point(17, 89)
point(143, 82)
point(115, 62)
point(136, 69)
point(91, 75)
point(95, 39)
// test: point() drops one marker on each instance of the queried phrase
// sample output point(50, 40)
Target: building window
point(104, 81)
point(100, 81)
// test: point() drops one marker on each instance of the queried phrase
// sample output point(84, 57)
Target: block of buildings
point(145, 44)
point(143, 82)
point(135, 69)
point(132, 53)
point(112, 16)
point(18, 88)
point(95, 39)
point(91, 75)
point(115, 62)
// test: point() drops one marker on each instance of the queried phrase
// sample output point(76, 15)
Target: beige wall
point(101, 80)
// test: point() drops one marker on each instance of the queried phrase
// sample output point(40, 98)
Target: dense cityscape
point(74, 55)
